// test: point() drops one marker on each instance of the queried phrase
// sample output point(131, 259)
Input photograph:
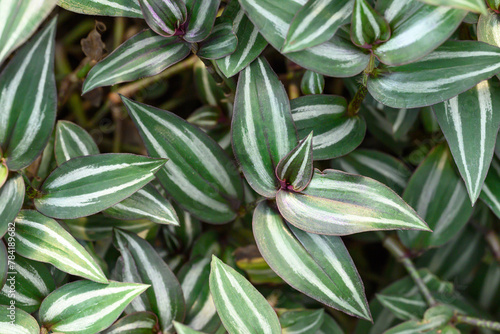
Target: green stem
point(355, 104)
point(394, 246)
point(494, 325)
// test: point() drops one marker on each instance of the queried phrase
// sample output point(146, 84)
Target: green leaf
point(250, 42)
point(4, 261)
point(136, 323)
point(208, 90)
point(335, 133)
point(434, 318)
point(470, 123)
point(85, 307)
point(263, 131)
point(336, 57)
point(16, 321)
point(183, 329)
point(11, 201)
point(302, 322)
point(4, 173)
point(42, 239)
point(146, 203)
point(28, 98)
point(199, 175)
point(143, 55)
point(19, 21)
point(295, 170)
point(476, 6)
point(253, 264)
point(439, 196)
point(312, 83)
point(367, 26)
point(403, 307)
point(202, 15)
point(72, 141)
point(416, 31)
point(337, 203)
point(126, 8)
point(451, 69)
point(488, 28)
point(206, 117)
point(165, 17)
point(141, 263)
point(493, 4)
point(32, 283)
point(316, 265)
point(490, 194)
point(376, 165)
point(201, 314)
point(315, 23)
point(86, 185)
point(241, 307)
point(221, 43)
point(329, 326)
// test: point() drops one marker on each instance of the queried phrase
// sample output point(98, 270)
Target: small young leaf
point(85, 307)
point(221, 43)
point(164, 17)
point(86, 185)
point(367, 26)
point(295, 170)
point(126, 8)
point(202, 15)
point(135, 323)
point(42, 239)
point(302, 322)
point(11, 201)
point(19, 322)
point(312, 83)
point(72, 141)
point(241, 307)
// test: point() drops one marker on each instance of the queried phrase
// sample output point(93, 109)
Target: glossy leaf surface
point(220, 43)
point(202, 15)
point(367, 26)
point(127, 8)
point(24, 323)
point(72, 141)
point(11, 201)
point(164, 16)
point(295, 170)
point(312, 83)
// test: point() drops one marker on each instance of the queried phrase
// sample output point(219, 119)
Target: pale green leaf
point(136, 323)
point(302, 321)
point(18, 323)
point(477, 6)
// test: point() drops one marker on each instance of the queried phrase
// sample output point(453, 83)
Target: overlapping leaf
point(85, 307)
point(22, 322)
point(490, 193)
point(4, 261)
point(136, 323)
point(241, 307)
point(439, 196)
point(165, 17)
point(477, 6)
point(42, 239)
point(86, 185)
point(143, 55)
point(488, 28)
point(11, 201)
point(295, 170)
point(263, 131)
point(127, 8)
point(202, 15)
point(316, 265)
point(451, 69)
point(28, 95)
point(335, 133)
point(72, 141)
point(220, 43)
point(302, 322)
point(199, 176)
point(367, 26)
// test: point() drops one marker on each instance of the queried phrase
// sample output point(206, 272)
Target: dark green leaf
point(202, 15)
point(221, 43)
point(72, 141)
point(295, 170)
point(165, 17)
point(136, 323)
point(312, 83)
point(367, 26)
point(127, 8)
point(11, 201)
point(490, 193)
point(302, 322)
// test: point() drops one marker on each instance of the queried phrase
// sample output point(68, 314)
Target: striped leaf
point(329, 326)
point(221, 43)
point(451, 69)
point(318, 266)
point(434, 318)
point(20, 323)
point(206, 117)
point(493, 4)
point(146, 203)
point(476, 6)
point(295, 170)
point(302, 322)
point(241, 307)
point(28, 97)
point(86, 185)
point(143, 55)
point(201, 314)
point(263, 131)
point(315, 23)
point(255, 267)
point(439, 196)
point(206, 87)
point(32, 283)
point(470, 123)
point(335, 133)
point(165, 17)
point(417, 29)
point(336, 57)
point(337, 203)
point(4, 261)
point(376, 165)
point(142, 264)
point(4, 173)
point(202, 15)
point(11, 201)
point(19, 20)
point(199, 176)
point(490, 194)
point(136, 323)
point(368, 28)
point(488, 29)
point(127, 8)
point(85, 307)
point(404, 308)
point(72, 141)
point(312, 83)
point(188, 230)
point(183, 329)
point(42, 239)
point(250, 42)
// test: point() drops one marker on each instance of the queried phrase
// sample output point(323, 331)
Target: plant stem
point(394, 246)
point(494, 325)
point(355, 104)
point(228, 92)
